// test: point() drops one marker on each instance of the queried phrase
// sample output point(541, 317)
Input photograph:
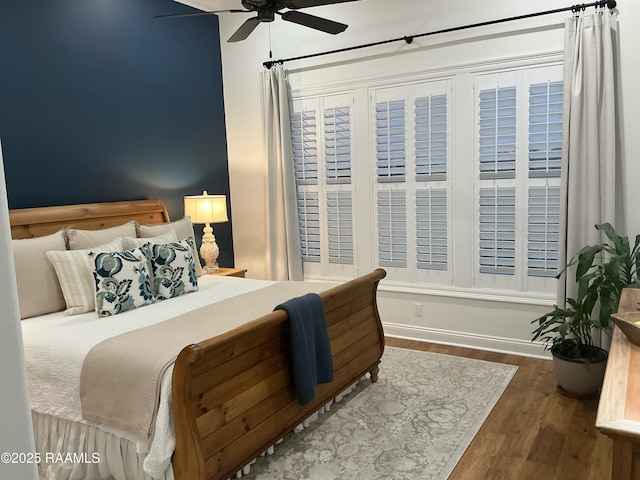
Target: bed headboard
point(35, 222)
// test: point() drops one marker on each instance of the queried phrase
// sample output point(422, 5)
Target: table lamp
point(207, 209)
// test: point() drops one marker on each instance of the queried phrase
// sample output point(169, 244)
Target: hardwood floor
point(533, 432)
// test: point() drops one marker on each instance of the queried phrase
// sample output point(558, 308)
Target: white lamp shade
point(206, 208)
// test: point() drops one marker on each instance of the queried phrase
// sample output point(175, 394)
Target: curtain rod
point(611, 4)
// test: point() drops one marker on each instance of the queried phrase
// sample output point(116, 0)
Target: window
point(411, 128)
point(322, 149)
point(519, 148)
point(446, 195)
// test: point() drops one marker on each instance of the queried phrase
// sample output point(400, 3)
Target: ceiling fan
point(267, 10)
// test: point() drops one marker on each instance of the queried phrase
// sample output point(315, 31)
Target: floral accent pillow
point(123, 281)
point(183, 229)
point(174, 271)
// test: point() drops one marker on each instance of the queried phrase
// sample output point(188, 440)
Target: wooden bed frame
point(232, 395)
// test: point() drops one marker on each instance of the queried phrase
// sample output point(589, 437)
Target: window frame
point(462, 269)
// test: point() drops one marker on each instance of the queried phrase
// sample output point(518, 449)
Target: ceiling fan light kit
point(267, 10)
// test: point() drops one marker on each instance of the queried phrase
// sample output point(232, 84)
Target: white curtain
point(589, 146)
point(284, 260)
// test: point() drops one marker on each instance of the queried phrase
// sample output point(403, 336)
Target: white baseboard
point(469, 340)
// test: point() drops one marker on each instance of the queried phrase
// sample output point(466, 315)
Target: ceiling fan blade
point(311, 21)
point(245, 30)
point(196, 14)
point(311, 3)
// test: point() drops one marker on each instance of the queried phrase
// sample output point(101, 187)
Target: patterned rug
point(415, 423)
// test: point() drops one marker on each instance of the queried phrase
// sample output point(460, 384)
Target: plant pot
point(579, 378)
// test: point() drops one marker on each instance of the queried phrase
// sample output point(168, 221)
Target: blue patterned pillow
point(174, 270)
point(123, 281)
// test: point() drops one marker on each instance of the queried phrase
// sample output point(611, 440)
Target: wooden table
point(619, 407)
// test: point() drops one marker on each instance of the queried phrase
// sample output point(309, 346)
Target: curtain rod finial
point(271, 63)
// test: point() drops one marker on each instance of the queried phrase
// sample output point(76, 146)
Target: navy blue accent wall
point(100, 102)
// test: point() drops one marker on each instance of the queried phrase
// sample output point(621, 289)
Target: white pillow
point(122, 280)
point(80, 239)
point(183, 229)
point(39, 292)
point(173, 269)
point(134, 242)
point(75, 273)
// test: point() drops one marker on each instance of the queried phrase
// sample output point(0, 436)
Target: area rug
point(414, 423)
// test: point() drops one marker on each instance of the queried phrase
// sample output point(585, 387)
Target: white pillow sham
point(134, 242)
point(80, 239)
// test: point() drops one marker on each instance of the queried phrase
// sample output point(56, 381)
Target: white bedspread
point(55, 347)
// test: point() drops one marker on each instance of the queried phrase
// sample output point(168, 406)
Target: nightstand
point(230, 272)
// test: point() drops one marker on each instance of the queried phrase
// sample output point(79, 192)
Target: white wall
point(496, 325)
point(15, 416)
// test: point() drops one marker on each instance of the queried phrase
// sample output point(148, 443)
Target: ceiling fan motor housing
point(274, 5)
point(254, 5)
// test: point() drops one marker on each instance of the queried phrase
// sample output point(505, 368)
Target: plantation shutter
point(431, 138)
point(497, 136)
point(497, 230)
point(431, 229)
point(309, 223)
point(305, 158)
point(337, 144)
point(543, 231)
point(340, 227)
point(545, 129)
point(545, 159)
point(390, 134)
point(337, 156)
point(305, 149)
point(390, 141)
point(392, 228)
point(498, 133)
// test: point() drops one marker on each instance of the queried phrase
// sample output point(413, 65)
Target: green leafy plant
point(602, 271)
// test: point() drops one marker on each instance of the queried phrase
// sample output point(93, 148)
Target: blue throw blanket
point(310, 345)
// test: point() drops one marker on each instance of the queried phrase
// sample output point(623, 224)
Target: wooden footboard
point(233, 395)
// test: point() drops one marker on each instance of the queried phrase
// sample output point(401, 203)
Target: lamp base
point(209, 251)
point(211, 269)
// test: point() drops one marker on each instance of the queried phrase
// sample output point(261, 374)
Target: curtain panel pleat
point(283, 256)
point(588, 187)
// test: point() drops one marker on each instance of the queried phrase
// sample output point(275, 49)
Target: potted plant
point(601, 272)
